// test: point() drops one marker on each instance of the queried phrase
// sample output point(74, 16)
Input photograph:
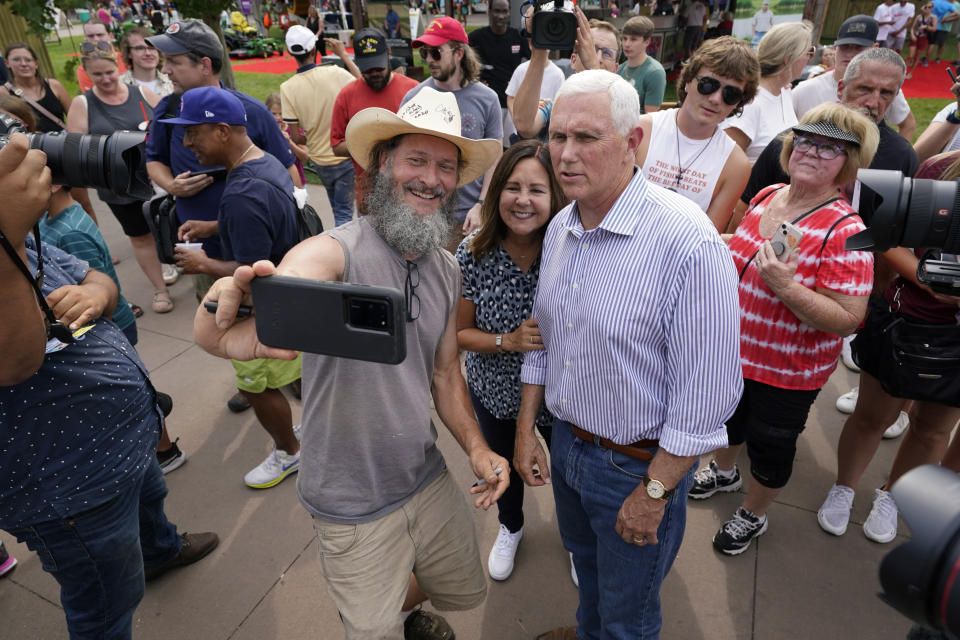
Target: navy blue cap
point(209, 105)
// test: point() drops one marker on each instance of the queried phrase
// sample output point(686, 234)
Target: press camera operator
point(79, 479)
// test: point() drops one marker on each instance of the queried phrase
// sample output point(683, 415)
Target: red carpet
point(929, 82)
point(273, 64)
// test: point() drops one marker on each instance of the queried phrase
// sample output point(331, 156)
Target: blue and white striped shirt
point(640, 320)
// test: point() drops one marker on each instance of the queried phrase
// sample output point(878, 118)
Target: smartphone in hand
point(785, 239)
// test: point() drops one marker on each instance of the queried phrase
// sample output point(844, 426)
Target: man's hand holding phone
point(222, 334)
point(189, 184)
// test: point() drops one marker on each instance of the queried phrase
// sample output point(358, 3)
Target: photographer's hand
point(24, 188)
point(585, 47)
point(81, 304)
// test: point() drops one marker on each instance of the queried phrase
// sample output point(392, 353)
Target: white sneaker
point(848, 401)
point(846, 355)
point(271, 472)
point(170, 273)
point(834, 513)
point(298, 431)
point(898, 427)
point(500, 562)
point(881, 524)
point(573, 573)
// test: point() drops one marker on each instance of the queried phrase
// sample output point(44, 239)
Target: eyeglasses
point(90, 47)
point(140, 48)
point(431, 52)
point(606, 54)
point(824, 150)
point(707, 86)
point(409, 291)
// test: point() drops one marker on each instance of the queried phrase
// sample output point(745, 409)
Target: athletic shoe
point(171, 459)
point(846, 355)
point(573, 573)
point(500, 562)
point(848, 401)
point(271, 472)
point(881, 524)
point(708, 481)
point(170, 273)
point(426, 625)
point(898, 427)
point(193, 546)
point(735, 535)
point(238, 403)
point(834, 513)
point(7, 561)
point(298, 431)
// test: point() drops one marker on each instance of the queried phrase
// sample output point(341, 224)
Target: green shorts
point(266, 373)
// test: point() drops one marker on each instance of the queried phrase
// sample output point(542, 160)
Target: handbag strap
point(36, 106)
point(794, 221)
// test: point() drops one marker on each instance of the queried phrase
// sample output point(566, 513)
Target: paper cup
point(190, 246)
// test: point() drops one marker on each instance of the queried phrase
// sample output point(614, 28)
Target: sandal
point(162, 302)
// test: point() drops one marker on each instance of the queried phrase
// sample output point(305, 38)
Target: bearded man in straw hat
point(393, 528)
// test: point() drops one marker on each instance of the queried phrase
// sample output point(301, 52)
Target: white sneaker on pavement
point(881, 525)
point(170, 273)
point(899, 425)
point(834, 513)
point(573, 573)
point(272, 471)
point(846, 355)
point(500, 562)
point(848, 401)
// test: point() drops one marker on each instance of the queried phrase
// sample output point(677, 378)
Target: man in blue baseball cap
point(256, 221)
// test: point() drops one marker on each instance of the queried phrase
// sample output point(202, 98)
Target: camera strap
point(55, 328)
point(36, 105)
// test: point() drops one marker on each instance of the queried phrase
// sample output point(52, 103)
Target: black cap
point(860, 30)
point(189, 36)
point(370, 49)
point(827, 130)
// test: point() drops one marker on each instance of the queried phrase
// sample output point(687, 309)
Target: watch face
point(655, 489)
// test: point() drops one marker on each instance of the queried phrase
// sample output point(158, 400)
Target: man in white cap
point(307, 102)
point(393, 528)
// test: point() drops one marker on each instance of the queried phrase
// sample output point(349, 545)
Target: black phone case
point(314, 316)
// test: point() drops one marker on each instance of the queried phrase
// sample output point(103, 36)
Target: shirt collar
point(307, 67)
point(622, 217)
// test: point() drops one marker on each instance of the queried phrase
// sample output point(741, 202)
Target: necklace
point(690, 164)
point(249, 149)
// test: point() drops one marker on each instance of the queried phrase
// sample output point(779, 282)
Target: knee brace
point(771, 450)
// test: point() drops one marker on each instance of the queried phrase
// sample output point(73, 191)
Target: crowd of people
point(634, 284)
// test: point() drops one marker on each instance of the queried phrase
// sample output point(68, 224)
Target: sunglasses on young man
point(731, 95)
point(431, 52)
point(140, 48)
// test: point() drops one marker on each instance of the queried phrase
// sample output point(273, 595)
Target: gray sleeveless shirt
point(104, 119)
point(369, 443)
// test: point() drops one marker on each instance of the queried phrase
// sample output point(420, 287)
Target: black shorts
point(131, 218)
point(939, 37)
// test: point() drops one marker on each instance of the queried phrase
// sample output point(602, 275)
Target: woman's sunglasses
point(90, 47)
point(707, 86)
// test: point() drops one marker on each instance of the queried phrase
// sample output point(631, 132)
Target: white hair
point(624, 100)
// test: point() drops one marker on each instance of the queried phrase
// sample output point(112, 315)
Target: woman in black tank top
point(26, 82)
point(111, 105)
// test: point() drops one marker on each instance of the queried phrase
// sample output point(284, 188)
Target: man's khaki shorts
point(368, 566)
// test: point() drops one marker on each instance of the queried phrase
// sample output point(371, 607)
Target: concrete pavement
point(264, 581)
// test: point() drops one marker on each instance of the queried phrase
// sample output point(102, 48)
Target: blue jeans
point(338, 181)
point(619, 582)
point(98, 556)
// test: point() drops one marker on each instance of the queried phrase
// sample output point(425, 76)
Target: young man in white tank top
point(683, 149)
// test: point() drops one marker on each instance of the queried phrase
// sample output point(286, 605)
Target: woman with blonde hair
point(111, 105)
point(783, 53)
point(795, 306)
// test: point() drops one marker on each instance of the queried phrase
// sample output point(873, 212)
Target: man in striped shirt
point(637, 306)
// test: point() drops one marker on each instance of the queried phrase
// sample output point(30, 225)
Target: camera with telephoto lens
point(114, 162)
point(915, 213)
point(921, 578)
point(553, 26)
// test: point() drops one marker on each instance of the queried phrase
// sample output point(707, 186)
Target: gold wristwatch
point(656, 489)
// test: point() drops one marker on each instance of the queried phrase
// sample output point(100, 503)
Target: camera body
point(553, 26)
point(116, 162)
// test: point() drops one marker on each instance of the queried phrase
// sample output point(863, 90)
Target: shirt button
point(567, 363)
point(569, 325)
point(585, 245)
point(563, 400)
point(574, 285)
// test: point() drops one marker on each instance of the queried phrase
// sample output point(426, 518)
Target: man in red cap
point(454, 67)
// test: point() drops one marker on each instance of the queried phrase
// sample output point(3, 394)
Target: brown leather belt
point(636, 450)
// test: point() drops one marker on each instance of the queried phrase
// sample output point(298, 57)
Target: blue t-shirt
point(257, 219)
point(942, 8)
point(73, 231)
point(82, 428)
point(165, 144)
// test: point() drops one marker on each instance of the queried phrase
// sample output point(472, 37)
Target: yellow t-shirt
point(308, 98)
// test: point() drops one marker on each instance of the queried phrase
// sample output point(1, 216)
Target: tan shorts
point(368, 566)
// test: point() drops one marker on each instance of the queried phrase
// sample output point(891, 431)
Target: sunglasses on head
point(707, 86)
point(90, 47)
point(431, 52)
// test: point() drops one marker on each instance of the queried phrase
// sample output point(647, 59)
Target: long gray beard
point(400, 225)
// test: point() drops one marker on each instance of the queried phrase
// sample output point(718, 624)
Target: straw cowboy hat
point(430, 112)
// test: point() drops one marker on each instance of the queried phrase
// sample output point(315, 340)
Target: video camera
point(115, 162)
point(553, 26)
point(907, 212)
point(919, 578)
